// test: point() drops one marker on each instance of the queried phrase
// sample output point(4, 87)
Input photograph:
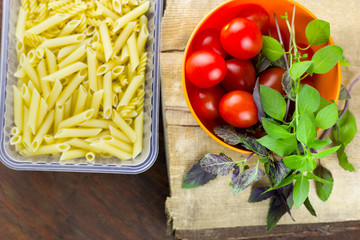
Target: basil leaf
point(288, 85)
point(312, 176)
point(274, 130)
point(347, 129)
point(309, 99)
point(301, 190)
point(257, 100)
point(323, 189)
point(196, 177)
point(299, 68)
point(323, 103)
point(271, 48)
point(326, 152)
point(344, 62)
point(294, 161)
point(326, 58)
point(343, 160)
point(215, 164)
point(273, 102)
point(276, 171)
point(344, 94)
point(317, 32)
point(257, 196)
point(262, 64)
point(280, 63)
point(241, 181)
point(309, 207)
point(306, 131)
point(318, 144)
point(327, 116)
point(228, 133)
point(282, 147)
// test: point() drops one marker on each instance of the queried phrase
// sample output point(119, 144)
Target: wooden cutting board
point(212, 211)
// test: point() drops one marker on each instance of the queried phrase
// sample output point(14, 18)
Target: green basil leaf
point(274, 130)
point(272, 49)
point(343, 160)
point(309, 207)
point(299, 68)
point(318, 144)
point(326, 152)
point(323, 189)
point(309, 99)
point(310, 165)
point(282, 147)
point(347, 129)
point(306, 131)
point(273, 103)
point(317, 32)
point(294, 161)
point(326, 58)
point(327, 116)
point(301, 190)
point(310, 175)
point(344, 62)
point(323, 103)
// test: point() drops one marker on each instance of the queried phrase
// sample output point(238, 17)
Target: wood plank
point(213, 206)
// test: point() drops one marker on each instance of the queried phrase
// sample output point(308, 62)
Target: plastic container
point(328, 84)
point(9, 62)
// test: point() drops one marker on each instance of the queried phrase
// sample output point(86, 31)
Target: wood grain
point(202, 211)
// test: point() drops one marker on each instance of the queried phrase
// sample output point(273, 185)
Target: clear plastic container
point(9, 63)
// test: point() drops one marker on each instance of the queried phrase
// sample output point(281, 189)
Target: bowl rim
point(195, 31)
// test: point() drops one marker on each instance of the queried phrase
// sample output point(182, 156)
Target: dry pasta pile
point(81, 76)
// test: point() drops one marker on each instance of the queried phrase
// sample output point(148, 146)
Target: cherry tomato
point(241, 38)
point(309, 51)
point(272, 77)
point(308, 81)
point(238, 109)
point(258, 15)
point(205, 101)
point(240, 75)
point(205, 68)
point(209, 39)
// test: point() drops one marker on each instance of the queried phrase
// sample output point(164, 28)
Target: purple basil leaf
point(251, 144)
point(228, 133)
point(277, 171)
point(215, 164)
point(309, 207)
point(288, 85)
point(280, 63)
point(241, 181)
point(276, 211)
point(257, 100)
point(344, 93)
point(257, 196)
point(197, 177)
point(262, 64)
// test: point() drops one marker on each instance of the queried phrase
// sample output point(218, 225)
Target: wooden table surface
point(53, 205)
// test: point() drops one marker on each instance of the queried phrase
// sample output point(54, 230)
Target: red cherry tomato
point(238, 109)
point(209, 39)
point(309, 51)
point(240, 75)
point(205, 68)
point(258, 15)
point(272, 77)
point(205, 101)
point(308, 81)
point(241, 38)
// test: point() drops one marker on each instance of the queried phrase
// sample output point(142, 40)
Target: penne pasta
point(54, 94)
point(77, 119)
point(133, 14)
point(80, 100)
point(97, 123)
point(131, 89)
point(45, 86)
point(108, 148)
point(18, 108)
point(116, 4)
point(138, 126)
point(96, 101)
point(133, 52)
point(43, 109)
point(47, 149)
point(69, 27)
point(77, 132)
point(117, 143)
point(51, 61)
point(118, 134)
point(141, 40)
point(73, 57)
point(66, 71)
point(79, 143)
point(90, 157)
point(33, 111)
point(59, 116)
point(70, 88)
point(42, 131)
point(20, 25)
point(72, 154)
point(62, 41)
point(130, 133)
point(124, 35)
point(107, 12)
point(92, 66)
point(107, 105)
point(48, 23)
point(105, 39)
point(30, 71)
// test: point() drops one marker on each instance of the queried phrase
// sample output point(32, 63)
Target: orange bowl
point(328, 84)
